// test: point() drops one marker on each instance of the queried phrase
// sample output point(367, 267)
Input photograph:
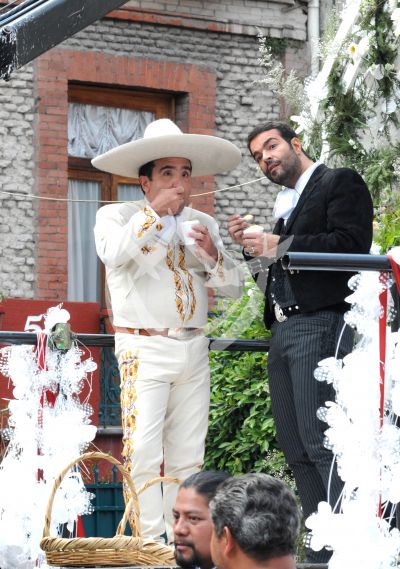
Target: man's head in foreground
point(256, 524)
point(193, 526)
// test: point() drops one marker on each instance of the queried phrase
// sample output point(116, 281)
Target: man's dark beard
point(291, 170)
point(194, 561)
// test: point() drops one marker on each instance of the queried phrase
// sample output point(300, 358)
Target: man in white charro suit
point(159, 296)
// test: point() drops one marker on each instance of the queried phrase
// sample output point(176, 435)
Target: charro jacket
point(154, 280)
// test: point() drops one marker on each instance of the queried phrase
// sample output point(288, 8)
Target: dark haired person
point(158, 286)
point(193, 525)
point(319, 210)
point(256, 524)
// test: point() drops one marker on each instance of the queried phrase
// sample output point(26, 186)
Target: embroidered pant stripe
point(168, 418)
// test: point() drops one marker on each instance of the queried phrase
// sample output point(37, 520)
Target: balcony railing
point(109, 406)
point(109, 418)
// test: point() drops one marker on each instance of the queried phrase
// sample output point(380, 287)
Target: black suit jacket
point(333, 215)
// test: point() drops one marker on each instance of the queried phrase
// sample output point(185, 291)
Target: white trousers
point(165, 395)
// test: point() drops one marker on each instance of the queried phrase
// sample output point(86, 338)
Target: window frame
point(162, 104)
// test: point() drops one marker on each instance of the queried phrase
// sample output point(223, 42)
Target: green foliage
point(375, 19)
point(282, 84)
point(276, 45)
point(241, 436)
point(387, 227)
point(351, 111)
point(331, 27)
point(378, 168)
point(342, 126)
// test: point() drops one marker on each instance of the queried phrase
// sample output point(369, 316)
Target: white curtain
point(129, 193)
point(83, 264)
point(93, 130)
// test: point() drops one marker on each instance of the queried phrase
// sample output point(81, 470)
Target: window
point(100, 119)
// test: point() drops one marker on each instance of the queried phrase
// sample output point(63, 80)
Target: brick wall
point(53, 72)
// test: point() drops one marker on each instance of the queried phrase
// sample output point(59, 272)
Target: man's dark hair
point(205, 482)
point(261, 513)
point(286, 132)
point(147, 169)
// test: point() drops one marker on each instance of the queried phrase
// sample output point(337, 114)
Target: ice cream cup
point(186, 228)
point(253, 229)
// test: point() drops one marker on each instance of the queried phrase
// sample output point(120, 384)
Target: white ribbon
point(285, 203)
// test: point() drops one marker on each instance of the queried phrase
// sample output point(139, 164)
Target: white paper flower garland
point(366, 444)
point(48, 428)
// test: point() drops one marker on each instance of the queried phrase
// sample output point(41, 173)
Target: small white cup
point(186, 228)
point(253, 229)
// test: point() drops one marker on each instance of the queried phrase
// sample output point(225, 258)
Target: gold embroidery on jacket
point(220, 269)
point(148, 222)
point(147, 249)
point(179, 292)
point(182, 266)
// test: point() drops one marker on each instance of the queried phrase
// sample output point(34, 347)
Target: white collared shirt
point(287, 198)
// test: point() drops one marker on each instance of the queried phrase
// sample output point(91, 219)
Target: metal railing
point(109, 415)
point(107, 341)
point(109, 408)
point(335, 262)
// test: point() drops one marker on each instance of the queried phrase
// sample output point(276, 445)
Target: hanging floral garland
point(48, 427)
point(364, 437)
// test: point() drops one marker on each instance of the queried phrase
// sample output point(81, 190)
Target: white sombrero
point(163, 139)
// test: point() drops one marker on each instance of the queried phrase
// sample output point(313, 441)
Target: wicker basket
point(116, 551)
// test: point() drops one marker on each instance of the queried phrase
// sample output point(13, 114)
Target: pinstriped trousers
point(296, 347)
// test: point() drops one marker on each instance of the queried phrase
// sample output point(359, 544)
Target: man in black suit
point(319, 210)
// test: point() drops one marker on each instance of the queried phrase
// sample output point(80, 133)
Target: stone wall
point(276, 18)
point(17, 223)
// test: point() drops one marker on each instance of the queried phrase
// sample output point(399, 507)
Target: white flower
point(301, 122)
point(320, 524)
point(376, 71)
point(395, 16)
point(357, 50)
point(352, 50)
point(352, 143)
point(389, 106)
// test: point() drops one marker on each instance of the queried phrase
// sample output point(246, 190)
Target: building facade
point(194, 61)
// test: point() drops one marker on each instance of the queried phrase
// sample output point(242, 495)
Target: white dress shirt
point(287, 198)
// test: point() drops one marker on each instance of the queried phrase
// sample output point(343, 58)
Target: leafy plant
point(241, 436)
point(275, 77)
point(387, 228)
point(379, 171)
